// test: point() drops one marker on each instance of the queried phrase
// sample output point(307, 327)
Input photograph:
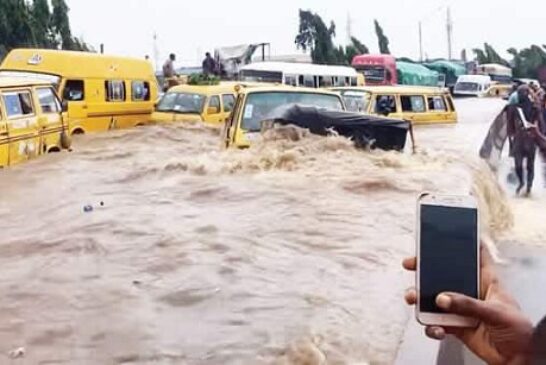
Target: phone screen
point(449, 254)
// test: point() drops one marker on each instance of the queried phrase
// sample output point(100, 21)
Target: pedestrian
point(209, 65)
point(169, 72)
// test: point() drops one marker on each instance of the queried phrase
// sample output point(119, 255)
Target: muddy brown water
point(286, 253)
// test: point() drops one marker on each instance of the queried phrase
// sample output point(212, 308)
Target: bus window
point(413, 103)
point(290, 80)
point(301, 81)
point(308, 81)
point(385, 104)
point(436, 103)
point(74, 90)
point(354, 81)
point(115, 90)
point(325, 81)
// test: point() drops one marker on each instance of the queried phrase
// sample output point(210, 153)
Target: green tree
point(382, 39)
point(354, 49)
point(41, 21)
point(316, 36)
point(489, 55)
point(61, 24)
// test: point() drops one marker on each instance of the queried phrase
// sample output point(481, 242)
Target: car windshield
point(181, 103)
point(52, 79)
point(356, 101)
point(467, 86)
point(261, 106)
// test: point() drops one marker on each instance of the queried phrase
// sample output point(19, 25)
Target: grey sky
point(191, 27)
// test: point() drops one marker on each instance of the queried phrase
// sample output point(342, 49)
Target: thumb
point(469, 307)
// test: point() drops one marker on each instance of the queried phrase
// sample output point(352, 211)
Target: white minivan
point(472, 85)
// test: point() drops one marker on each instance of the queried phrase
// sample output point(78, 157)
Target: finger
point(410, 264)
point(411, 296)
point(436, 333)
point(468, 307)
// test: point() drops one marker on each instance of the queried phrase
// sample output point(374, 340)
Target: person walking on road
point(209, 65)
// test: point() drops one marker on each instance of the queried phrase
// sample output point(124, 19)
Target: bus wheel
point(54, 150)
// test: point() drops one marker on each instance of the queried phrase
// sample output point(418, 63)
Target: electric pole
point(449, 34)
point(349, 28)
point(156, 52)
point(421, 41)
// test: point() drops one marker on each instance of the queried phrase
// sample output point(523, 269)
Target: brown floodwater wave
point(285, 253)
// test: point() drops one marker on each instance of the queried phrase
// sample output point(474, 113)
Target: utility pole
point(349, 28)
point(449, 34)
point(156, 52)
point(421, 41)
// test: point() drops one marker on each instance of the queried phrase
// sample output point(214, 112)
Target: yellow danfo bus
point(99, 92)
point(31, 122)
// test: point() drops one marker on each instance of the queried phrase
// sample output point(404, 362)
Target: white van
point(472, 85)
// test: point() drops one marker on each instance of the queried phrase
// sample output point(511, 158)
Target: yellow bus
point(420, 105)
point(99, 92)
point(31, 121)
point(195, 103)
point(255, 104)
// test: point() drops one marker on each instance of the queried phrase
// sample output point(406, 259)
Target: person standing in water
point(209, 65)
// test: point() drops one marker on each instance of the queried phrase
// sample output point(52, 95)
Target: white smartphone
point(448, 255)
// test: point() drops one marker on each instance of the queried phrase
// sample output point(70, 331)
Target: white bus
point(472, 85)
point(300, 74)
point(498, 73)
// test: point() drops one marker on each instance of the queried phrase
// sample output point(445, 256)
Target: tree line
point(315, 36)
point(36, 24)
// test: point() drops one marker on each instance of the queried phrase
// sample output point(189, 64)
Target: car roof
point(204, 89)
point(399, 89)
point(286, 88)
point(8, 81)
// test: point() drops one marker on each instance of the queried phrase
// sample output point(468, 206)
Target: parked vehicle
point(31, 120)
point(472, 85)
point(450, 71)
point(300, 74)
point(100, 92)
point(257, 104)
point(498, 73)
point(420, 105)
point(416, 74)
point(377, 69)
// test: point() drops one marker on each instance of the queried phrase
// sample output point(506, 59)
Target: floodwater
point(286, 253)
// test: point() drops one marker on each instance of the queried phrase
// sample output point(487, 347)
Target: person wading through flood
point(522, 142)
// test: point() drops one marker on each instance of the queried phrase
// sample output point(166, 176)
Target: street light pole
point(421, 41)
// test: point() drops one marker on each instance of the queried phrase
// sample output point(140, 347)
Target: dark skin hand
point(504, 334)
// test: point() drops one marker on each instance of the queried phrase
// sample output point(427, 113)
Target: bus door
point(4, 138)
point(23, 128)
point(74, 100)
point(230, 128)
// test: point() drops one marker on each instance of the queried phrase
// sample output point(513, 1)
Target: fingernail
point(443, 301)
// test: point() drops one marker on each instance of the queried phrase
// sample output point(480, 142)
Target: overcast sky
point(191, 27)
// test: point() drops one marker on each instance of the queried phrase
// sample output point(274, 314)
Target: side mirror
point(64, 106)
point(213, 110)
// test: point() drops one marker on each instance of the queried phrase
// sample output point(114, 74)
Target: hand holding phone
point(448, 256)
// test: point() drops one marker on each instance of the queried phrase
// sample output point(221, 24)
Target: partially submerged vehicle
point(366, 131)
point(31, 120)
point(420, 105)
point(191, 103)
point(257, 104)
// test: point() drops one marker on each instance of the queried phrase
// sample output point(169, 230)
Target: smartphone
point(448, 255)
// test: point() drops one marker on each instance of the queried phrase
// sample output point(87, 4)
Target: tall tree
point(382, 39)
point(61, 24)
point(41, 22)
point(355, 48)
point(315, 35)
